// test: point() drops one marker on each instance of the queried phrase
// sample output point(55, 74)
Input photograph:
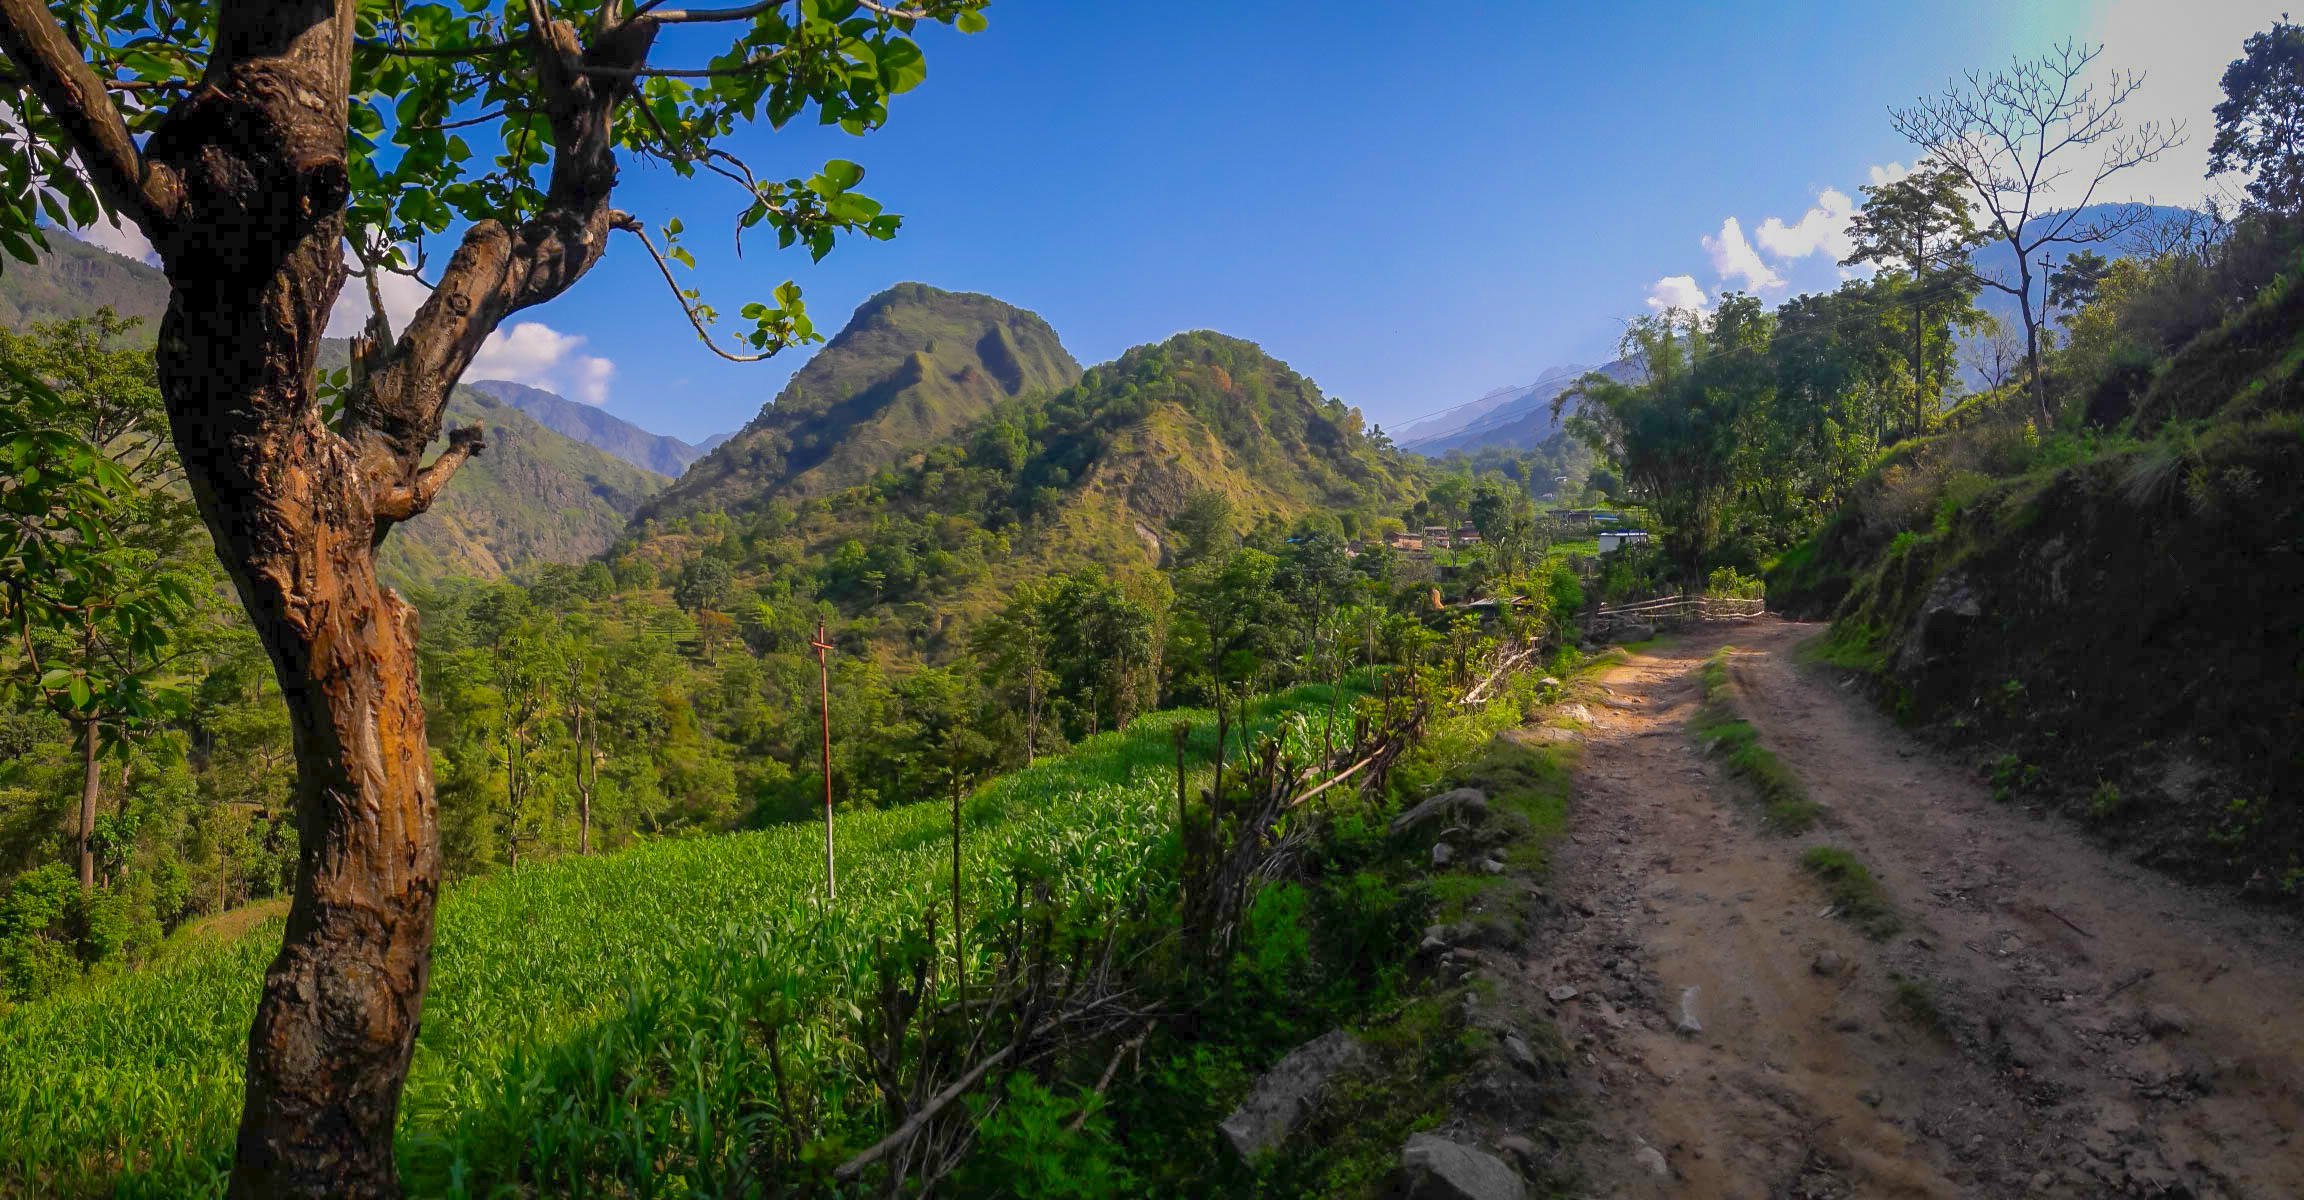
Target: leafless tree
point(1993, 353)
point(2021, 138)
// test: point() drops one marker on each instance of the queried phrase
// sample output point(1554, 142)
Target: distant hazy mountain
point(1517, 418)
point(74, 279)
point(914, 365)
point(596, 427)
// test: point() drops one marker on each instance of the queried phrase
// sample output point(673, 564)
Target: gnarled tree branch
point(498, 270)
point(147, 193)
point(399, 502)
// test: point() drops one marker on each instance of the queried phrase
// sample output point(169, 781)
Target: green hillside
point(913, 365)
point(74, 279)
point(535, 496)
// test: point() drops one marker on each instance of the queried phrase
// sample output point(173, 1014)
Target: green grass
point(1854, 892)
point(598, 1023)
point(1785, 804)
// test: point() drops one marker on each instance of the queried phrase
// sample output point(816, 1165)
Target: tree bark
point(91, 784)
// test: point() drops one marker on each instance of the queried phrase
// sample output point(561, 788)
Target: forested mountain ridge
point(533, 496)
point(1092, 475)
point(596, 427)
point(913, 365)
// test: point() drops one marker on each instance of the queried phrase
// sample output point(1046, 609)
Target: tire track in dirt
point(2051, 1021)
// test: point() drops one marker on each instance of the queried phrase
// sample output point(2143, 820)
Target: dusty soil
point(2049, 1021)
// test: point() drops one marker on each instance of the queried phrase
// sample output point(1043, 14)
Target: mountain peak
point(914, 364)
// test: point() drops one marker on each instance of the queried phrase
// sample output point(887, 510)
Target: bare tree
point(1993, 353)
point(2019, 139)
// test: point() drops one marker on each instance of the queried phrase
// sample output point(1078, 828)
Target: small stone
point(1436, 931)
point(1688, 1024)
point(1520, 1052)
point(1492, 867)
point(1868, 1098)
point(1651, 1160)
point(1520, 1148)
point(1431, 944)
point(2041, 1180)
point(1443, 854)
point(1565, 991)
point(1828, 964)
point(1652, 906)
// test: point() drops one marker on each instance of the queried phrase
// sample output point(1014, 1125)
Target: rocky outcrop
point(1463, 805)
point(1289, 1092)
point(1434, 1168)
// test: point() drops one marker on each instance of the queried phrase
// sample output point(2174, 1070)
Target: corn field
point(677, 1020)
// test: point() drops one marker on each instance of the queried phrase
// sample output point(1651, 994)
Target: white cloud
point(1888, 173)
point(1822, 228)
point(529, 352)
point(592, 376)
point(1733, 257)
point(402, 297)
point(121, 237)
point(1677, 291)
point(538, 355)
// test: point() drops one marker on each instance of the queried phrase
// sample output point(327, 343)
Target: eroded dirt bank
point(2048, 1020)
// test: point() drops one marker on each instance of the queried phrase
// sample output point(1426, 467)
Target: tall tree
point(2260, 124)
point(2018, 140)
point(1921, 227)
point(245, 159)
point(1676, 433)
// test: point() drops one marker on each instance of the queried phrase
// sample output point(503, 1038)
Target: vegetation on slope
point(2110, 611)
point(534, 497)
point(914, 365)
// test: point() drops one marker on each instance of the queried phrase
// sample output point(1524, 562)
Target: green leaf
point(902, 66)
point(971, 21)
point(842, 175)
point(80, 693)
point(54, 679)
point(683, 256)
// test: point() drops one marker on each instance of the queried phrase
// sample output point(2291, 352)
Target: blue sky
point(1412, 203)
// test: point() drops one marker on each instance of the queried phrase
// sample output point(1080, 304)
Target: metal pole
point(824, 693)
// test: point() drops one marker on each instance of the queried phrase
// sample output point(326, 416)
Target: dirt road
point(2049, 1020)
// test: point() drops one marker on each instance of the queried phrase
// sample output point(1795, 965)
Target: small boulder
point(1442, 854)
point(1688, 1025)
point(1522, 1054)
point(1434, 1168)
point(1492, 867)
point(1651, 1160)
point(1828, 964)
point(1289, 1091)
point(1562, 992)
point(1632, 633)
point(1463, 804)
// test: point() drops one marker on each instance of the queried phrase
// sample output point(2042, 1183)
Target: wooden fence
point(1671, 612)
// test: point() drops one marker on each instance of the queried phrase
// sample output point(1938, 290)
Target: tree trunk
point(242, 191)
point(91, 784)
point(254, 266)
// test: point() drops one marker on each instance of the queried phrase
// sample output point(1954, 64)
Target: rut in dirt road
point(2047, 1021)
